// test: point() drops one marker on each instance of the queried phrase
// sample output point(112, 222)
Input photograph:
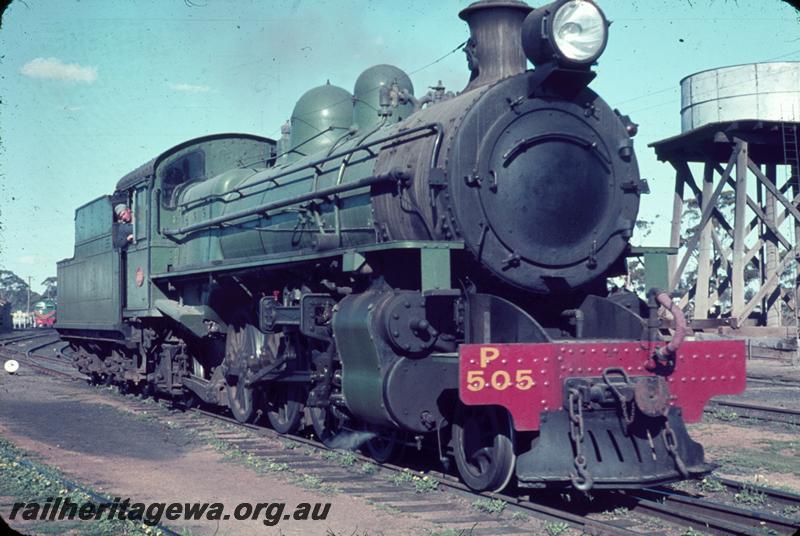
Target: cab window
point(188, 168)
point(140, 213)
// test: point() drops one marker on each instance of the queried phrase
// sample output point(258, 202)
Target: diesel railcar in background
point(44, 313)
point(428, 269)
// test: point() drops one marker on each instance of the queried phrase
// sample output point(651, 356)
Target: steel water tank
point(766, 91)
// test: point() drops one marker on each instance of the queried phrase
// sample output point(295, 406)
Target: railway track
point(710, 517)
point(257, 442)
point(52, 365)
point(769, 380)
point(750, 410)
point(784, 499)
point(12, 338)
point(400, 497)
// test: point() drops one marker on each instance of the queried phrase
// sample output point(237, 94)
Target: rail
point(710, 517)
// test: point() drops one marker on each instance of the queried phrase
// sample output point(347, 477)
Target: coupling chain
point(671, 443)
point(581, 479)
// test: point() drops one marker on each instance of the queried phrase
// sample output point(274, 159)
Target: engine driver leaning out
point(124, 232)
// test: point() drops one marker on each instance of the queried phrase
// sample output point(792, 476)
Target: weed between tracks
point(724, 415)
point(750, 496)
point(556, 528)
point(710, 485)
point(620, 512)
point(490, 506)
point(421, 484)
point(266, 465)
point(368, 468)
point(345, 458)
point(520, 517)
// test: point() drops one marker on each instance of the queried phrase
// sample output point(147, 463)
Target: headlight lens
point(579, 31)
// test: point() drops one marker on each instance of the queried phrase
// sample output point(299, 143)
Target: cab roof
point(145, 171)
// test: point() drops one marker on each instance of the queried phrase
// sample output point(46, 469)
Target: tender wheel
point(243, 344)
point(326, 425)
point(484, 448)
point(285, 407)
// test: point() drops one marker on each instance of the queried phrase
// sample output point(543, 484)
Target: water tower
point(736, 183)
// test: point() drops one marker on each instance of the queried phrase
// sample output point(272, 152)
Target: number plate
point(527, 379)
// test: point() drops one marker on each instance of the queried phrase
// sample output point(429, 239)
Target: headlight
point(573, 33)
point(579, 31)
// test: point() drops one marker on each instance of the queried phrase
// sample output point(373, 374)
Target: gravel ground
point(93, 442)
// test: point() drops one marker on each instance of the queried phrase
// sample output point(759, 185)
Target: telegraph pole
point(29, 295)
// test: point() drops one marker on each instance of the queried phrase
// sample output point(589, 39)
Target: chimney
point(494, 49)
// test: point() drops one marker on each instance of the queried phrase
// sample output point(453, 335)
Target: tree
point(15, 290)
point(51, 287)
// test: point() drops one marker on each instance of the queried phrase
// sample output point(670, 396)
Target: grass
point(369, 468)
point(750, 496)
point(556, 528)
point(791, 510)
point(144, 416)
point(402, 477)
point(490, 506)
point(278, 467)
point(421, 484)
point(710, 485)
point(771, 456)
point(618, 512)
point(682, 485)
point(425, 484)
point(289, 445)
point(347, 459)
point(260, 464)
point(724, 415)
point(309, 481)
point(519, 517)
point(28, 481)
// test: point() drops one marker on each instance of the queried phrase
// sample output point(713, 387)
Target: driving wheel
point(326, 423)
point(285, 404)
point(243, 345)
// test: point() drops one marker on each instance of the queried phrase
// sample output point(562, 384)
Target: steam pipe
point(663, 299)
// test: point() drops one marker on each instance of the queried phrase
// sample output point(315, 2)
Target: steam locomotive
point(427, 269)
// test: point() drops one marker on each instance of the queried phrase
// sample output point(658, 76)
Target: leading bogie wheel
point(484, 447)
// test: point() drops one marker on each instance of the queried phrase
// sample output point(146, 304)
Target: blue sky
point(93, 88)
